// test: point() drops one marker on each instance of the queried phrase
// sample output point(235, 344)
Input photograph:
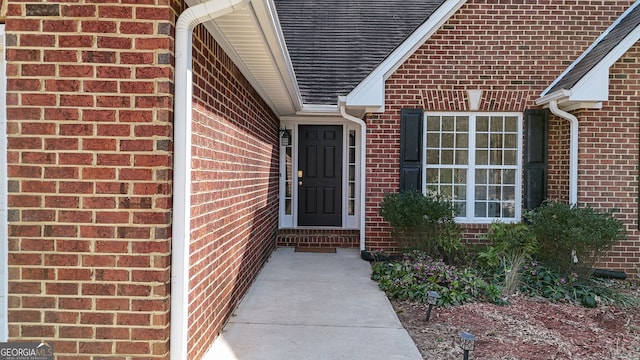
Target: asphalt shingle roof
point(335, 44)
point(599, 51)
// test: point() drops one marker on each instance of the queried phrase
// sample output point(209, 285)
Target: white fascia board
point(369, 93)
point(563, 98)
point(267, 17)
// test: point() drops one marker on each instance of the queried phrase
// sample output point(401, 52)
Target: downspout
point(573, 149)
point(4, 207)
point(181, 227)
point(342, 103)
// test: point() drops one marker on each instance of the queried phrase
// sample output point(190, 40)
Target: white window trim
point(472, 167)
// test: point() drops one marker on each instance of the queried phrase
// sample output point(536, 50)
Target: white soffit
point(251, 37)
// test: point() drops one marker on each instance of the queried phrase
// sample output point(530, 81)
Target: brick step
point(318, 238)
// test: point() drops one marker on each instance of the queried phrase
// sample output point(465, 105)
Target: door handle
point(299, 177)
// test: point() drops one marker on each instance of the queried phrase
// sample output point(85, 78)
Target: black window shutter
point(536, 130)
point(411, 150)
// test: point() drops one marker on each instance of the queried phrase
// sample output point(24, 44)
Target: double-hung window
point(475, 159)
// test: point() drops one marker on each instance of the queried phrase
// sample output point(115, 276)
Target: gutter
point(342, 103)
point(573, 149)
point(181, 227)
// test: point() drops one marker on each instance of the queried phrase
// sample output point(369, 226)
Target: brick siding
point(513, 50)
point(235, 190)
point(90, 106)
point(89, 161)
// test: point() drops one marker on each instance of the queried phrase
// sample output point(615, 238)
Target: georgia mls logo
point(26, 351)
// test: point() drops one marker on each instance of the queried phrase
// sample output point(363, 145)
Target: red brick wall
point(512, 50)
point(235, 190)
point(609, 156)
point(89, 125)
point(90, 165)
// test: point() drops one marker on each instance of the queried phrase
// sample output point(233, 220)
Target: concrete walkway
point(306, 306)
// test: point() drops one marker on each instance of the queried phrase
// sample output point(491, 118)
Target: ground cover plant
point(525, 294)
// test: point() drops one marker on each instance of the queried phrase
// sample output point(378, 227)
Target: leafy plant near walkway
point(417, 273)
point(510, 246)
point(536, 258)
point(424, 222)
point(412, 276)
point(572, 239)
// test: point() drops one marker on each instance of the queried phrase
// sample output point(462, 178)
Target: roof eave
point(593, 87)
point(269, 71)
point(369, 94)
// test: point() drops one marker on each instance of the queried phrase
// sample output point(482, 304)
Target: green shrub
point(423, 222)
point(566, 233)
point(511, 245)
point(417, 273)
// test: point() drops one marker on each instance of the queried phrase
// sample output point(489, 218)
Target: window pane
point(480, 209)
point(481, 193)
point(432, 176)
point(352, 138)
point(433, 157)
point(446, 176)
point(510, 157)
point(482, 141)
point(433, 123)
point(511, 124)
point(460, 176)
point(481, 176)
point(496, 141)
point(482, 123)
point(496, 157)
point(462, 157)
point(509, 193)
point(493, 209)
point(447, 140)
point(509, 177)
point(446, 157)
point(493, 193)
point(433, 140)
point(287, 206)
point(462, 141)
point(511, 141)
point(460, 192)
point(448, 123)
point(508, 209)
point(482, 157)
point(352, 190)
point(462, 124)
point(352, 155)
point(496, 124)
point(495, 176)
point(460, 208)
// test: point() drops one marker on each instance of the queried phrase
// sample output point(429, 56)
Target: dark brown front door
point(320, 175)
